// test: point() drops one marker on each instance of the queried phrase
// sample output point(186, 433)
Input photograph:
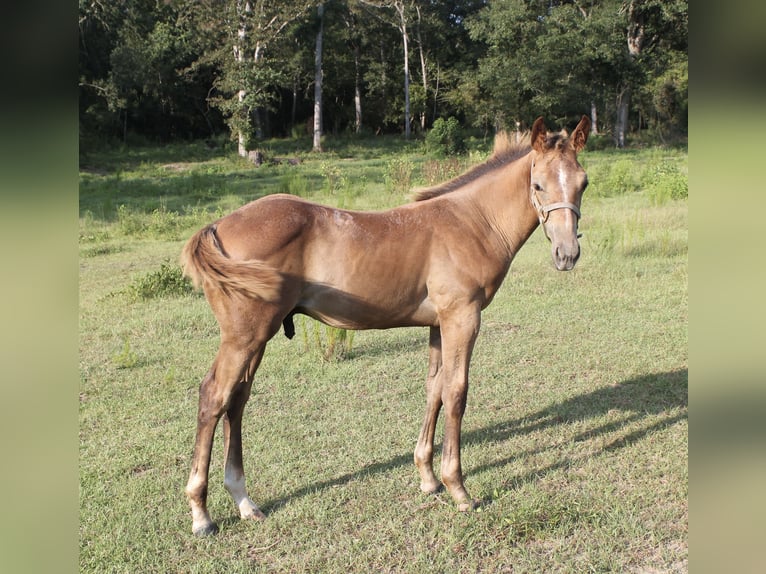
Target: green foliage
point(666, 182)
point(184, 69)
point(167, 281)
point(333, 176)
point(126, 358)
point(294, 183)
point(446, 137)
point(130, 222)
point(579, 456)
point(613, 178)
point(437, 171)
point(398, 177)
point(332, 343)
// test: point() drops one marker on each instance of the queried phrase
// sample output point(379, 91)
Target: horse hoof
point(435, 488)
point(256, 515)
point(468, 506)
point(207, 530)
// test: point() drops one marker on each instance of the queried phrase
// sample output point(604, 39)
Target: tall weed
point(333, 177)
point(330, 342)
point(129, 221)
point(610, 179)
point(294, 184)
point(438, 170)
point(126, 358)
point(398, 176)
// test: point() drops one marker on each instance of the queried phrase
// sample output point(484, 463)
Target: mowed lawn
point(575, 436)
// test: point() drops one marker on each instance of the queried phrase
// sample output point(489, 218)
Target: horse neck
point(503, 201)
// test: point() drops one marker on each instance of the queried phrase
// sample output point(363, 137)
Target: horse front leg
point(424, 451)
point(234, 472)
point(459, 334)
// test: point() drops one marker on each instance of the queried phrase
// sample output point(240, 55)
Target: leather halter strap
point(544, 210)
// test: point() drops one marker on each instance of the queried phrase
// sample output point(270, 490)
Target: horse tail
point(208, 267)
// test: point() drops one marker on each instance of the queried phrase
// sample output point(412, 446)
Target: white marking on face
point(563, 181)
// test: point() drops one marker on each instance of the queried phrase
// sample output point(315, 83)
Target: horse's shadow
point(661, 398)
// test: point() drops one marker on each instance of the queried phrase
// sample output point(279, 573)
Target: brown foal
point(435, 262)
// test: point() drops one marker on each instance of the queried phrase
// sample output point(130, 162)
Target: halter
point(544, 210)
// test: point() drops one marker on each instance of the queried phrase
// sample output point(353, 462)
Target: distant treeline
point(162, 70)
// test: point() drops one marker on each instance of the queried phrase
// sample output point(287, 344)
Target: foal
point(435, 262)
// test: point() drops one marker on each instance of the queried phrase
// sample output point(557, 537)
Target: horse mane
point(507, 148)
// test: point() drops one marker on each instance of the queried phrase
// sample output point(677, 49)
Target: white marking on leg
point(200, 517)
point(235, 484)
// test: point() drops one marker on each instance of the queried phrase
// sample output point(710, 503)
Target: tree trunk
point(623, 109)
point(405, 40)
point(424, 73)
point(357, 93)
point(318, 82)
point(436, 91)
point(294, 108)
point(593, 119)
point(239, 56)
point(635, 41)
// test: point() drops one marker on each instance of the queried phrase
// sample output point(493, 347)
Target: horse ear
point(580, 134)
point(539, 135)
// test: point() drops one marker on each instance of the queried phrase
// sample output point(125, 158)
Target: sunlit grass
point(575, 435)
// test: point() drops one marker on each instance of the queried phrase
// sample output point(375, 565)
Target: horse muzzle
point(565, 255)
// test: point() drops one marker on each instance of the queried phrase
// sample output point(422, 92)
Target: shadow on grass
point(182, 192)
point(654, 395)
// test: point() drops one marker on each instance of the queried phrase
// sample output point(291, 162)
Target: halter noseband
point(544, 210)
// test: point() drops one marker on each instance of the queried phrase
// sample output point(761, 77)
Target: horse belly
point(374, 309)
point(366, 271)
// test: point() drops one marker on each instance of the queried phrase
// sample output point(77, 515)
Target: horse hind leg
point(223, 390)
point(234, 473)
point(424, 451)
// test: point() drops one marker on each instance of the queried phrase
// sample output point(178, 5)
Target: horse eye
point(537, 187)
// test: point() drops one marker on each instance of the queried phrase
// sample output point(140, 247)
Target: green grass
point(575, 435)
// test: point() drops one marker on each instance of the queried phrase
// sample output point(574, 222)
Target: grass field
point(575, 434)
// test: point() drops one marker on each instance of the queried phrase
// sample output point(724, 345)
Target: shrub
point(613, 178)
point(667, 183)
point(168, 281)
point(446, 137)
point(130, 222)
point(620, 178)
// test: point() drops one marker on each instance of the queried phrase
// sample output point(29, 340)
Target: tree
point(567, 57)
point(400, 22)
point(129, 60)
point(317, 142)
point(191, 68)
point(246, 83)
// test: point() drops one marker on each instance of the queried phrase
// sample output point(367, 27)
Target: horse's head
point(556, 186)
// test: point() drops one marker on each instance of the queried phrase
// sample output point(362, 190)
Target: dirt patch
point(178, 166)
